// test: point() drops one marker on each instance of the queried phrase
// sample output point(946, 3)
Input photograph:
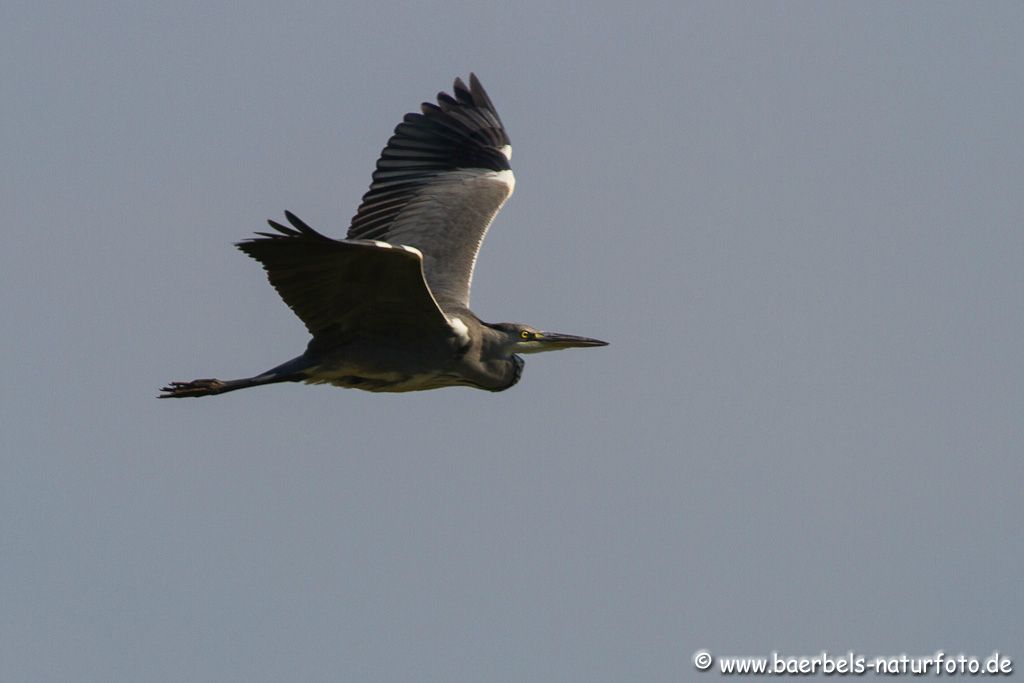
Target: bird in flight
point(388, 306)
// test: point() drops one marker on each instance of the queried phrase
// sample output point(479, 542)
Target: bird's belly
point(390, 381)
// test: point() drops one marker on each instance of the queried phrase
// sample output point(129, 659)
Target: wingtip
point(299, 224)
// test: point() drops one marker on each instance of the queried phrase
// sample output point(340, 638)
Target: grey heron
point(388, 306)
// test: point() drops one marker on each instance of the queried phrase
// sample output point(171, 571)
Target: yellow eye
point(525, 334)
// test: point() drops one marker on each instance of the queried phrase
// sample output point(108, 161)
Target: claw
point(197, 387)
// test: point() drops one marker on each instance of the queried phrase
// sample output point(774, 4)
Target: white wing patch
point(388, 245)
point(460, 330)
point(507, 151)
point(506, 177)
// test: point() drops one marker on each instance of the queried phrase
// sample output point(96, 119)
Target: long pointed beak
point(553, 340)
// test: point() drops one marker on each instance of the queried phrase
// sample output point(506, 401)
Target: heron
point(388, 306)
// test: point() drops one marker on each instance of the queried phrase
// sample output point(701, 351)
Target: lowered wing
point(339, 288)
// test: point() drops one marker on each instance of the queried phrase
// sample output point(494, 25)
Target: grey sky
point(798, 224)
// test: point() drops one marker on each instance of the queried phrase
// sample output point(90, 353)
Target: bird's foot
point(197, 387)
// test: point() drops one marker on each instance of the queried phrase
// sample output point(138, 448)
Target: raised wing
point(342, 287)
point(439, 182)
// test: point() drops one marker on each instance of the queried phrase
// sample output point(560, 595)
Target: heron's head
point(518, 338)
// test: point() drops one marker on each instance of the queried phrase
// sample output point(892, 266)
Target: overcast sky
point(798, 224)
